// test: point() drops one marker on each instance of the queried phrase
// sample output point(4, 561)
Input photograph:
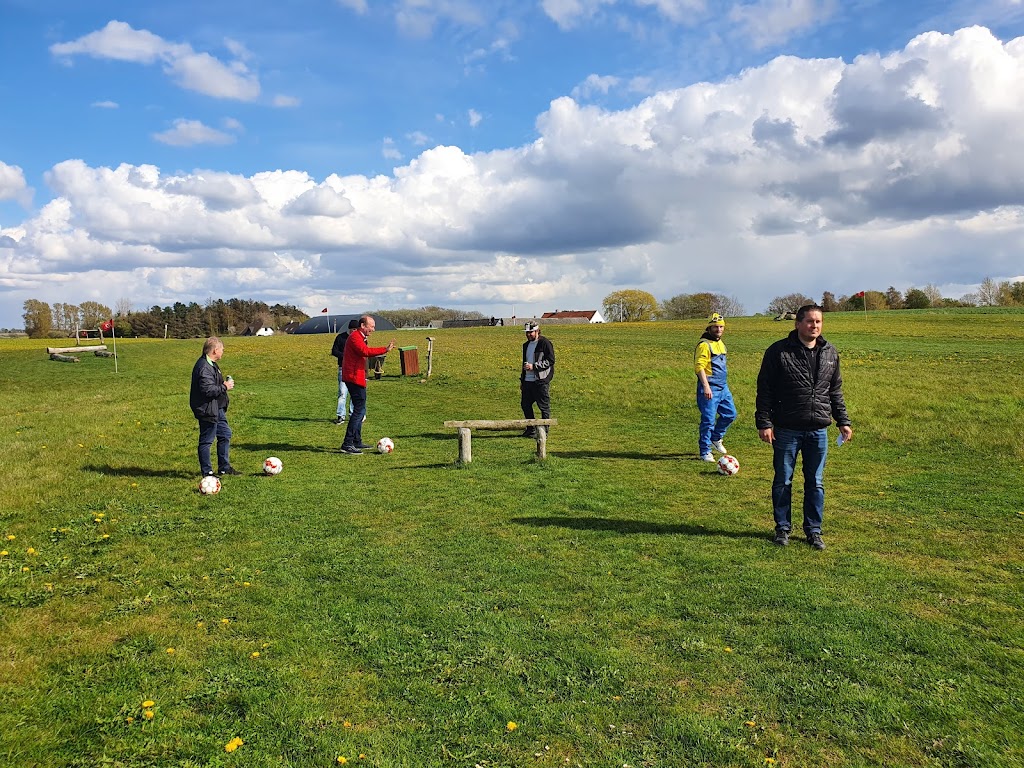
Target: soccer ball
point(209, 485)
point(728, 465)
point(272, 465)
point(385, 445)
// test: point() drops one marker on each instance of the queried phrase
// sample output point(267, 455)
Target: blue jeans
point(716, 415)
point(814, 446)
point(354, 430)
point(342, 397)
point(208, 430)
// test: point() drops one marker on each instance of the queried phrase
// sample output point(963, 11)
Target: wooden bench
point(540, 427)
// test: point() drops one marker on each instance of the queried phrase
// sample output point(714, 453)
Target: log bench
point(466, 428)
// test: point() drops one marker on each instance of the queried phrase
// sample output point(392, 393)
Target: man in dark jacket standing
point(338, 351)
point(208, 397)
point(799, 394)
point(535, 377)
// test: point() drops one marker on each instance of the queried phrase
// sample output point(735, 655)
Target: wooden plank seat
point(465, 428)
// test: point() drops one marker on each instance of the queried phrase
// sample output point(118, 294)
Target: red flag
point(106, 325)
point(323, 311)
point(860, 295)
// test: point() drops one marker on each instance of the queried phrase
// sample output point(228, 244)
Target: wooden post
point(430, 353)
point(542, 442)
point(465, 449)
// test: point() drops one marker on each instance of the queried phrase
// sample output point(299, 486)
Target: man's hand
point(847, 433)
point(391, 345)
point(766, 435)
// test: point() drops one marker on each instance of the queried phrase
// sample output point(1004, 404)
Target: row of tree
point(634, 305)
point(181, 321)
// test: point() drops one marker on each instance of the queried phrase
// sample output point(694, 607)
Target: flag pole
point(113, 339)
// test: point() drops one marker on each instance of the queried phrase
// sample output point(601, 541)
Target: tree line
point(633, 305)
point(180, 321)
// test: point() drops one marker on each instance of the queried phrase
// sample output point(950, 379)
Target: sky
point(506, 157)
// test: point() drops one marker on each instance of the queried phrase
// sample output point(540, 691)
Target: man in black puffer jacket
point(799, 394)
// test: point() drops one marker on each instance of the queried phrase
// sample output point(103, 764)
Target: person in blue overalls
point(714, 400)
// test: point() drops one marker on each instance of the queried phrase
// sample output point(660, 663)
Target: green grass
point(620, 603)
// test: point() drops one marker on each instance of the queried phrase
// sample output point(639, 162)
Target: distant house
point(290, 328)
point(257, 329)
point(574, 316)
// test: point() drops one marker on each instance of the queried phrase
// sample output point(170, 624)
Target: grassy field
point(618, 605)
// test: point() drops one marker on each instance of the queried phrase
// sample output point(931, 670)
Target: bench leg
point(465, 447)
point(542, 443)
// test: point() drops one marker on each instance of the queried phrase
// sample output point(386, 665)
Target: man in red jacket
point(353, 373)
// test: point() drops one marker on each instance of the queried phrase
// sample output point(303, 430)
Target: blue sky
point(530, 155)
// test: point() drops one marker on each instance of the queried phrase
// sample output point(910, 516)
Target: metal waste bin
point(410, 359)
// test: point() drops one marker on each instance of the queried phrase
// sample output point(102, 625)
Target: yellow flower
point(727, 649)
point(234, 744)
point(148, 714)
point(346, 724)
point(342, 760)
point(11, 537)
point(97, 520)
point(25, 569)
point(254, 655)
point(769, 761)
point(4, 553)
point(148, 703)
point(135, 485)
point(81, 446)
point(170, 651)
point(225, 621)
point(129, 719)
point(199, 625)
point(750, 724)
point(31, 551)
point(105, 536)
point(511, 726)
point(246, 584)
point(362, 756)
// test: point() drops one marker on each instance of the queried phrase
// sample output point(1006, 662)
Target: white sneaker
point(708, 457)
point(717, 446)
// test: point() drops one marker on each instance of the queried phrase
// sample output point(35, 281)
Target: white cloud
point(474, 118)
point(417, 18)
point(105, 104)
point(283, 101)
point(594, 84)
point(418, 138)
point(192, 70)
point(187, 133)
point(389, 150)
point(569, 13)
point(802, 175)
point(12, 184)
point(768, 22)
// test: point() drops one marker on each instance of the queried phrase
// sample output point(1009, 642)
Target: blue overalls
point(720, 404)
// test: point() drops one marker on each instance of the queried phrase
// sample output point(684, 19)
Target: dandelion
point(4, 553)
point(170, 651)
point(346, 724)
point(148, 704)
point(254, 655)
point(246, 584)
point(200, 624)
point(135, 485)
point(234, 744)
point(105, 536)
point(362, 756)
point(81, 446)
point(750, 724)
point(31, 551)
point(25, 569)
point(97, 520)
point(11, 537)
point(342, 760)
point(727, 649)
point(225, 622)
point(129, 719)
point(511, 726)
point(769, 761)
point(148, 714)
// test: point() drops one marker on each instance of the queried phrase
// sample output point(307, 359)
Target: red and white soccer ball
point(728, 465)
point(385, 445)
point(272, 465)
point(209, 485)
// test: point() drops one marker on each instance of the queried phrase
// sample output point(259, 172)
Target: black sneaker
point(781, 538)
point(529, 433)
point(814, 539)
point(337, 420)
point(363, 447)
point(229, 471)
point(350, 449)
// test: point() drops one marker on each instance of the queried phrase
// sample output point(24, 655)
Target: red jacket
point(353, 364)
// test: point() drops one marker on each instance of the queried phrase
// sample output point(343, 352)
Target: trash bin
point(410, 361)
